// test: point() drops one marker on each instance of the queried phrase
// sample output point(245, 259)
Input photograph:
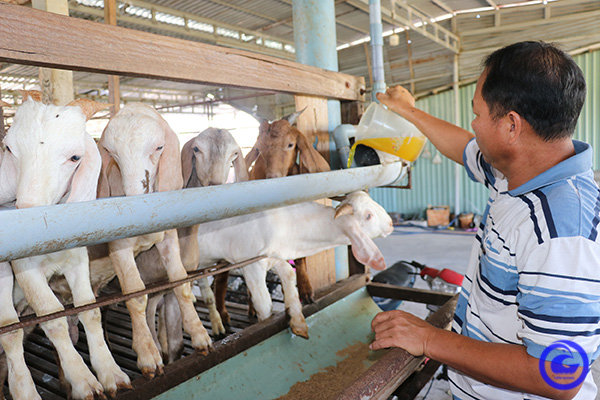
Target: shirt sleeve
point(559, 295)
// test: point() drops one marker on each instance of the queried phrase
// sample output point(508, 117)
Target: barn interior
point(214, 59)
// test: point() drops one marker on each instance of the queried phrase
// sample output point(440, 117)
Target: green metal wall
point(434, 184)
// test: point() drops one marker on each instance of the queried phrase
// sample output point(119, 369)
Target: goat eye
point(159, 148)
point(75, 158)
point(369, 216)
point(290, 145)
point(196, 149)
point(8, 149)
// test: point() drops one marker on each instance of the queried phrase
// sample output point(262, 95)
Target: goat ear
point(8, 177)
point(35, 95)
point(239, 167)
point(294, 116)
point(310, 159)
point(363, 247)
point(251, 157)
point(187, 161)
point(343, 209)
point(89, 107)
point(169, 176)
point(85, 179)
point(4, 104)
point(103, 182)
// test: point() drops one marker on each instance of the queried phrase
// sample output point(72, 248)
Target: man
point(534, 272)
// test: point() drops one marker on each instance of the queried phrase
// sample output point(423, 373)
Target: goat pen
point(80, 45)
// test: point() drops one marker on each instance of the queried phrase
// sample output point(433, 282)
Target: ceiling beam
point(443, 6)
point(210, 37)
point(440, 35)
point(590, 15)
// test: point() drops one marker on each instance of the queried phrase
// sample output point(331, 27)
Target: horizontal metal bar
point(42, 230)
point(106, 300)
point(407, 293)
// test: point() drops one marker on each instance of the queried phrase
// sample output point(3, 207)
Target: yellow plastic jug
point(387, 131)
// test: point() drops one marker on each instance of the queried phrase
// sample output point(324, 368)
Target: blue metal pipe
point(341, 136)
point(42, 230)
point(376, 32)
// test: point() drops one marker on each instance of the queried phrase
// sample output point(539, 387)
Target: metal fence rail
point(42, 230)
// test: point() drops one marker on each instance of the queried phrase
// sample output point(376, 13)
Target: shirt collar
point(577, 164)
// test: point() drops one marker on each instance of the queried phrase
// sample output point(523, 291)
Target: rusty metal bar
point(408, 294)
point(116, 298)
point(383, 377)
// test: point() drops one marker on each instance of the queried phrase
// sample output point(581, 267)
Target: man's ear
point(513, 126)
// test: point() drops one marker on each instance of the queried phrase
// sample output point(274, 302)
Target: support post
point(114, 90)
point(56, 85)
point(315, 42)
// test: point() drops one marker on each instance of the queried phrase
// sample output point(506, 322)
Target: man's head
point(539, 82)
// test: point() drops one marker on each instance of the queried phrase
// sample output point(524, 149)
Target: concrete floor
point(437, 249)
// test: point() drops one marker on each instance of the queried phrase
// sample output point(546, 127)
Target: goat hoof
point(150, 373)
point(302, 332)
point(308, 298)
point(204, 350)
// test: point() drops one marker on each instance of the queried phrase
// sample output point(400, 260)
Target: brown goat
point(275, 154)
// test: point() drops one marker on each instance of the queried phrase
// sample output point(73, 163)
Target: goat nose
point(20, 205)
point(272, 175)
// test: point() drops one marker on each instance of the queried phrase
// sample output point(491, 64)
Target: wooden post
point(313, 122)
point(56, 85)
point(114, 90)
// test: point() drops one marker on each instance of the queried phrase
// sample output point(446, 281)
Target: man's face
point(486, 130)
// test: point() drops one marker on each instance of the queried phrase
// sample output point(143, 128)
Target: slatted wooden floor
point(40, 358)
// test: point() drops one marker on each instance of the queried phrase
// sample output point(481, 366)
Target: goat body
point(278, 146)
point(206, 160)
point(140, 154)
point(291, 232)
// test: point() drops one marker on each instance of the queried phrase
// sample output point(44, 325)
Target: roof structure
point(424, 41)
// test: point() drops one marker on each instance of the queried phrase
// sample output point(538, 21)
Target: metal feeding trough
point(266, 361)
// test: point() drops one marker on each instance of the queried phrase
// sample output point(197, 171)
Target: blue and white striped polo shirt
point(534, 271)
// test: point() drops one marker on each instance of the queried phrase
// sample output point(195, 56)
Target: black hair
point(538, 81)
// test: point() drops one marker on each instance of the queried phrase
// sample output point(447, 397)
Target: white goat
point(290, 232)
point(140, 154)
point(206, 161)
point(51, 159)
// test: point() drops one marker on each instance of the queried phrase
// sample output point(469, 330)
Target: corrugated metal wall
point(434, 183)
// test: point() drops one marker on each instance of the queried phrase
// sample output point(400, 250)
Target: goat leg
point(149, 360)
point(107, 370)
point(305, 290)
point(20, 382)
point(171, 258)
point(221, 282)
point(293, 307)
point(33, 282)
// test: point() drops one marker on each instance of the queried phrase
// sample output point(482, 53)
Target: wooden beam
point(82, 45)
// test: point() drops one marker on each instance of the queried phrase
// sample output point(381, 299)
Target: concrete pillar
point(315, 41)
